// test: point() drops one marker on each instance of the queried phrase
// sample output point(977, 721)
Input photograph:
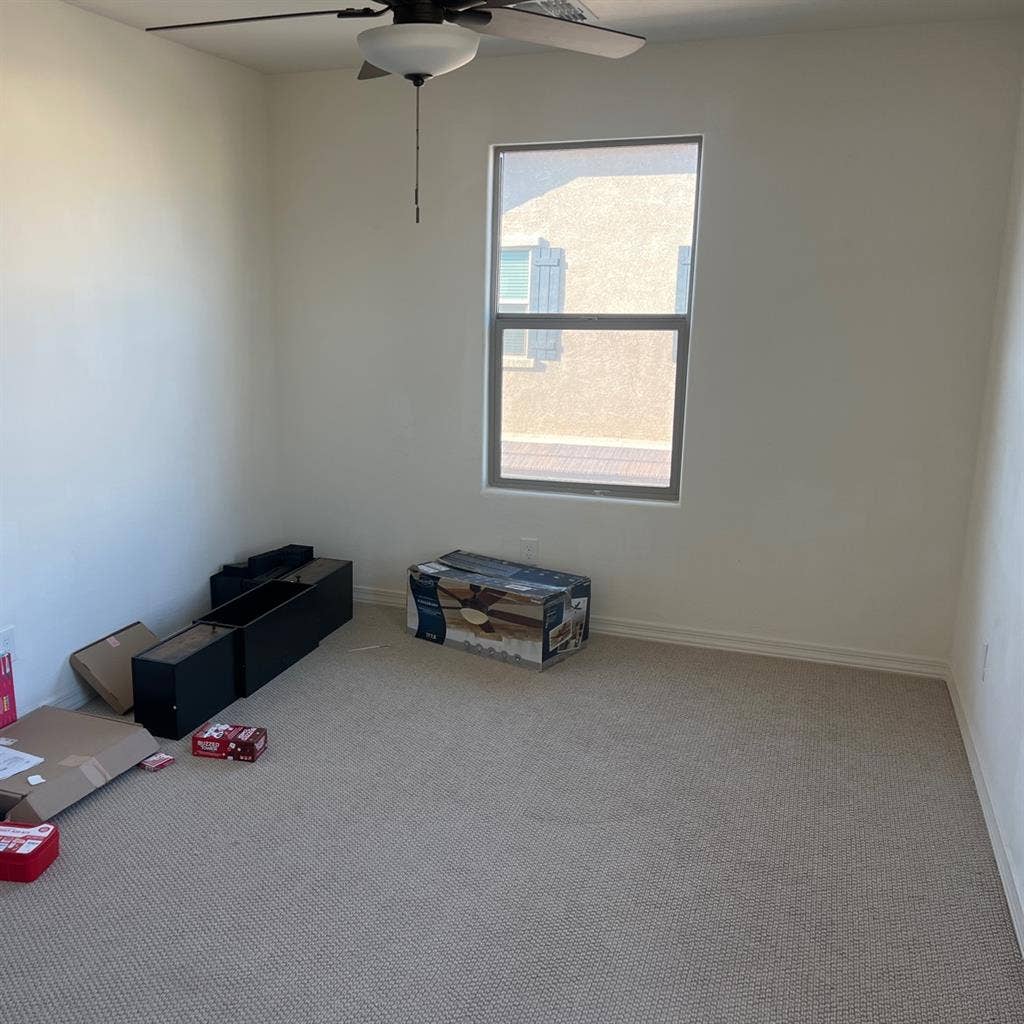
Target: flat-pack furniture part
point(185, 680)
point(291, 556)
point(274, 626)
point(235, 578)
point(331, 579)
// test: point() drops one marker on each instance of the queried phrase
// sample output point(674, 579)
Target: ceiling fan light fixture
point(418, 50)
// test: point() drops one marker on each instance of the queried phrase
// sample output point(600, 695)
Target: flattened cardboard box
point(80, 754)
point(106, 664)
point(507, 610)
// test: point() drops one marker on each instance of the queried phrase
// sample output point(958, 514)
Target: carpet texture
point(645, 833)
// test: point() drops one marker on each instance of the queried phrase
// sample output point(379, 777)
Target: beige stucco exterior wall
point(621, 236)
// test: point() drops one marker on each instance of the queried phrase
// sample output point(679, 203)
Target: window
point(592, 264)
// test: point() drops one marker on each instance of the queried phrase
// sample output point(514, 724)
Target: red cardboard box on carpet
point(26, 851)
point(229, 742)
point(8, 710)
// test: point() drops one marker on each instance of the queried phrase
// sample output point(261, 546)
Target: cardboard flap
point(106, 664)
point(80, 752)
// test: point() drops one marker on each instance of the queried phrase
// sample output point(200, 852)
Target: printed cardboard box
point(8, 706)
point(519, 613)
point(228, 742)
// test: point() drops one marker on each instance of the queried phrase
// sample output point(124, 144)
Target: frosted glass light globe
point(416, 49)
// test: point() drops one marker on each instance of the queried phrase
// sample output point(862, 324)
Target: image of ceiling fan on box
point(478, 608)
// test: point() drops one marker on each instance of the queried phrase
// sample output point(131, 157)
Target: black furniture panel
point(235, 578)
point(291, 556)
point(275, 625)
point(331, 579)
point(185, 680)
point(228, 583)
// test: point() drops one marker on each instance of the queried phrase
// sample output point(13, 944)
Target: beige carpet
point(644, 834)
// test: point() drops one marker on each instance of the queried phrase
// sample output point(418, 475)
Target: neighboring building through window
point(592, 269)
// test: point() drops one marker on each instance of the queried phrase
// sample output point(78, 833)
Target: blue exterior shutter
point(683, 278)
point(547, 295)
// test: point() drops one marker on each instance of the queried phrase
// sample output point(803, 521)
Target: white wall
point(137, 354)
point(854, 191)
point(991, 693)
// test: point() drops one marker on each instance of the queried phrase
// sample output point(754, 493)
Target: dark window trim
point(498, 322)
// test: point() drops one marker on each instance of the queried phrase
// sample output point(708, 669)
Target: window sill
point(491, 491)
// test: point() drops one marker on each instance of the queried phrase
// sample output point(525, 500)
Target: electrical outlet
point(7, 642)
point(529, 550)
point(984, 662)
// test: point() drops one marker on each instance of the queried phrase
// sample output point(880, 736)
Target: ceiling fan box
point(516, 613)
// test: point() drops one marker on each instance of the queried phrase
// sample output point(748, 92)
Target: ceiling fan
point(428, 38)
point(432, 37)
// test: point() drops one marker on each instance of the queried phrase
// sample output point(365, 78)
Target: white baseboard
point(70, 700)
point(378, 595)
point(881, 661)
point(1013, 888)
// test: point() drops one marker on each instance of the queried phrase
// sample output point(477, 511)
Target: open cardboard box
point(80, 754)
point(106, 664)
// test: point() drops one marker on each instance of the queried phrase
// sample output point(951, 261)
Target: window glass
point(601, 415)
point(620, 214)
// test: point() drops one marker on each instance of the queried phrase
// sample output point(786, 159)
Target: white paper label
point(14, 761)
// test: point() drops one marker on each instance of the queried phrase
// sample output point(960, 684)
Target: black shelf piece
point(184, 680)
point(275, 625)
point(331, 579)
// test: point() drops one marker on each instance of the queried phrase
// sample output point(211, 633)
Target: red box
point(156, 761)
point(26, 851)
point(8, 711)
point(229, 742)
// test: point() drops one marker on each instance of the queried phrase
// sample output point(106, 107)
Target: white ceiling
point(312, 44)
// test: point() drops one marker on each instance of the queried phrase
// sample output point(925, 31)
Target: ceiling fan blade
point(515, 620)
point(369, 71)
point(348, 12)
point(467, 5)
point(508, 23)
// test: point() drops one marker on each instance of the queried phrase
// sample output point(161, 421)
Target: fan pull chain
point(416, 190)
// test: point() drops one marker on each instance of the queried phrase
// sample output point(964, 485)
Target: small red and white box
point(229, 742)
point(8, 710)
point(26, 851)
point(156, 761)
